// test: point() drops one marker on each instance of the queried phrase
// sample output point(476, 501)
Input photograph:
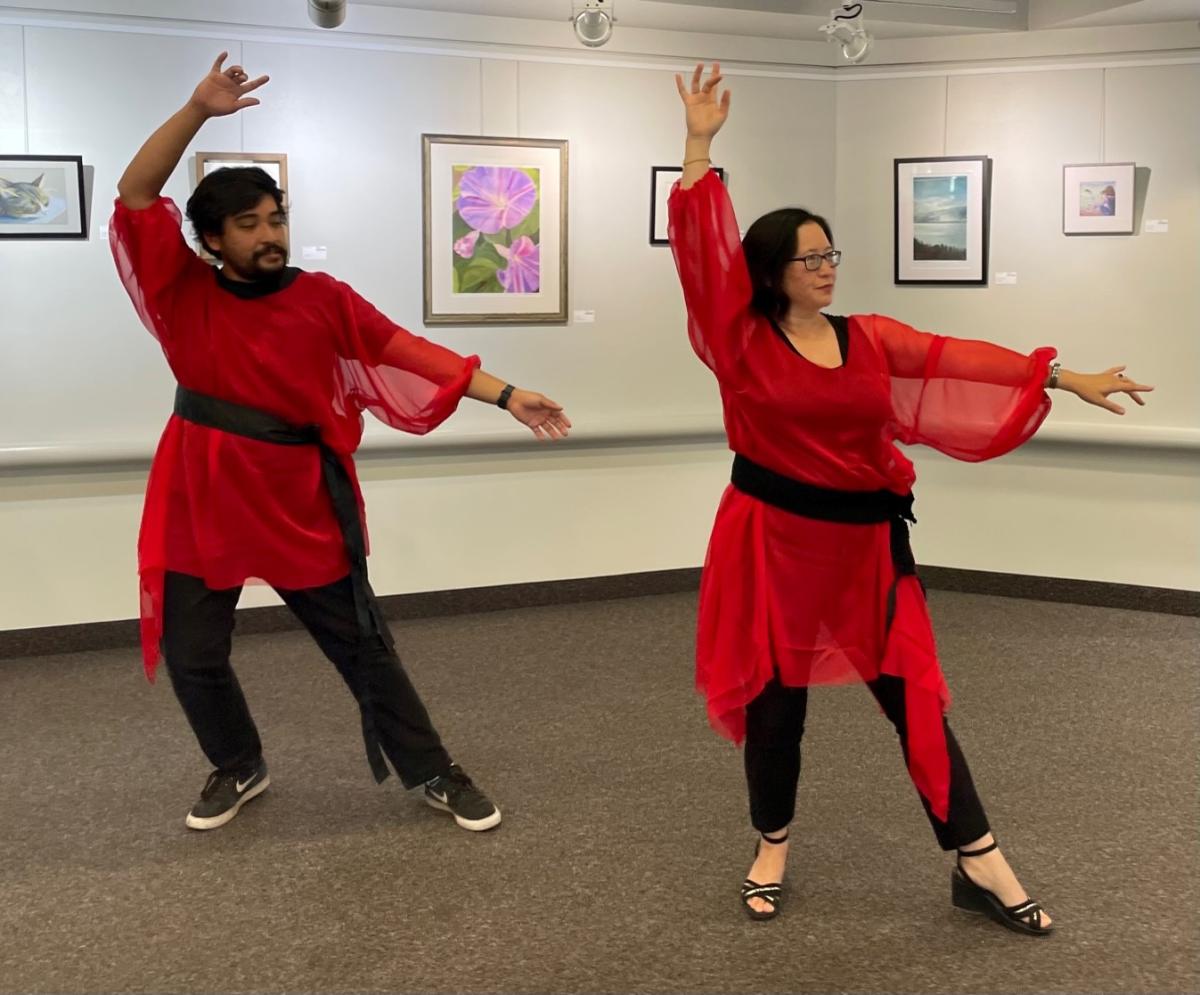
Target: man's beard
point(258, 272)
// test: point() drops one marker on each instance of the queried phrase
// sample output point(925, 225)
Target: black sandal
point(772, 894)
point(1024, 917)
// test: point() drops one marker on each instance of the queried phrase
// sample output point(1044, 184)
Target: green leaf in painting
point(456, 175)
point(459, 228)
point(487, 251)
point(477, 274)
point(531, 224)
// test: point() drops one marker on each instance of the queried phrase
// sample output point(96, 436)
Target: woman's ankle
point(978, 847)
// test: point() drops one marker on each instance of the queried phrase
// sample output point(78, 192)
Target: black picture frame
point(74, 201)
point(662, 177)
point(934, 264)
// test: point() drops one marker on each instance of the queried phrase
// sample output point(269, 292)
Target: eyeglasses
point(814, 259)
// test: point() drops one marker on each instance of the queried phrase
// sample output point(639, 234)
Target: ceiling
point(801, 19)
point(1130, 12)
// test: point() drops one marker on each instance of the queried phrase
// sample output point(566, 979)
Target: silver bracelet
point(1055, 370)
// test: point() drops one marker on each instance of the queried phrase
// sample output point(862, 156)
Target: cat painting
point(42, 197)
point(23, 200)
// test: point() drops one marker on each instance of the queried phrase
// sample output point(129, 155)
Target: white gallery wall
point(475, 504)
point(1082, 503)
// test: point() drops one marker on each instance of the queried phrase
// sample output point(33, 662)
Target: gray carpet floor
point(625, 834)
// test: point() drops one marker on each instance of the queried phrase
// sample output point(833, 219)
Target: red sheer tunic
point(226, 508)
point(807, 598)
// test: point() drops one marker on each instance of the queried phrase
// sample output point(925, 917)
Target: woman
point(809, 577)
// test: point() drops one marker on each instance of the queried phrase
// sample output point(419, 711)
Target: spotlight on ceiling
point(846, 28)
point(327, 13)
point(593, 21)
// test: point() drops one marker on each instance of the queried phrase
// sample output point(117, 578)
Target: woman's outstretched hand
point(1095, 388)
point(706, 112)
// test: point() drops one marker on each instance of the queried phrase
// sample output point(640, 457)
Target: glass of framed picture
point(495, 230)
point(274, 163)
point(41, 196)
point(662, 178)
point(1098, 198)
point(942, 214)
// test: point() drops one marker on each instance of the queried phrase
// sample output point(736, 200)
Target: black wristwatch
point(502, 400)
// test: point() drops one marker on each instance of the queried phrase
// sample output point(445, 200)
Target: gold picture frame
point(495, 213)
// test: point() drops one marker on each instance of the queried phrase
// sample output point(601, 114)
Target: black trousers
point(197, 638)
point(774, 727)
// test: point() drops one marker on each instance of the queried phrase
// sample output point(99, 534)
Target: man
point(254, 475)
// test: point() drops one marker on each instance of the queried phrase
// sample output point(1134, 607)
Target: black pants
point(197, 638)
point(774, 727)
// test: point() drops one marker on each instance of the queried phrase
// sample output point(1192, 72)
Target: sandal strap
point(776, 840)
point(767, 892)
point(980, 852)
point(1031, 914)
point(1023, 910)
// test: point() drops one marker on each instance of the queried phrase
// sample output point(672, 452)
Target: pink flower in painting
point(524, 272)
point(492, 198)
point(465, 246)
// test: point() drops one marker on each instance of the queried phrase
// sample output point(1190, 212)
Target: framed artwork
point(41, 196)
point(495, 230)
point(1098, 198)
point(942, 215)
point(274, 163)
point(662, 178)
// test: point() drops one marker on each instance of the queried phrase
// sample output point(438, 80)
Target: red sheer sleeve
point(405, 381)
point(968, 399)
point(153, 259)
point(716, 285)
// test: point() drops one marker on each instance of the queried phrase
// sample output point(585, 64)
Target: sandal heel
point(965, 895)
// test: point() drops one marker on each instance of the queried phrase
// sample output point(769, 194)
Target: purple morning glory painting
point(496, 229)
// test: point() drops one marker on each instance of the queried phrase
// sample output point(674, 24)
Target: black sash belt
point(828, 505)
point(237, 419)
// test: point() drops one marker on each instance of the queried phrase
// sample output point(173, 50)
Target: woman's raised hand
point(706, 112)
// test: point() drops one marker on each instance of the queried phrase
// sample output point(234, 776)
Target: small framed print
point(662, 178)
point(1098, 198)
point(41, 196)
point(942, 215)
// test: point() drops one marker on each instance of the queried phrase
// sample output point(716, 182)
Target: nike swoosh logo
point(243, 785)
point(436, 797)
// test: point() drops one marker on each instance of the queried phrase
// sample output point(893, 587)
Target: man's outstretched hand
point(542, 416)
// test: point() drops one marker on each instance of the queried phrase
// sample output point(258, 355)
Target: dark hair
point(226, 192)
point(769, 243)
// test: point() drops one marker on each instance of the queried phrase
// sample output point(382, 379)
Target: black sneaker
point(224, 794)
point(456, 793)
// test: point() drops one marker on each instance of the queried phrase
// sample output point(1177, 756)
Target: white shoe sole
point(217, 821)
point(475, 825)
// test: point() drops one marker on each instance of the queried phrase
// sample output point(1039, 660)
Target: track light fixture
point(327, 13)
point(846, 28)
point(593, 21)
